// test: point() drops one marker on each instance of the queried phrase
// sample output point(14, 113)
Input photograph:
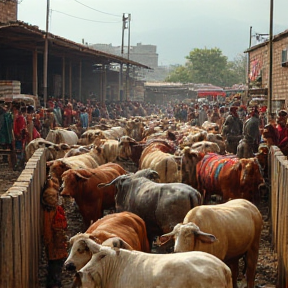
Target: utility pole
point(45, 64)
point(248, 64)
point(128, 56)
point(124, 26)
point(269, 106)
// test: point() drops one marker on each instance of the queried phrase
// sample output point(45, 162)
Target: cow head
point(71, 179)
point(186, 235)
point(90, 275)
point(80, 253)
point(190, 159)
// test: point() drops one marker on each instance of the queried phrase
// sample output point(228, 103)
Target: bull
point(229, 231)
point(160, 205)
point(118, 268)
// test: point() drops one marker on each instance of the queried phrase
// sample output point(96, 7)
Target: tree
point(180, 74)
point(210, 66)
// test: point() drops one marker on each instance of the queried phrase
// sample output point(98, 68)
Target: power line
point(97, 10)
point(84, 18)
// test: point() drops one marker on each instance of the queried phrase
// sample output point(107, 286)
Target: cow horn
point(101, 185)
point(172, 233)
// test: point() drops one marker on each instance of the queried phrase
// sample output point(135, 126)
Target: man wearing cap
point(232, 130)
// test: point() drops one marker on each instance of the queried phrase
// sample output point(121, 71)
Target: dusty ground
point(267, 263)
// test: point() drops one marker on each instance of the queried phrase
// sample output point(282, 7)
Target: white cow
point(228, 231)
point(119, 268)
point(62, 136)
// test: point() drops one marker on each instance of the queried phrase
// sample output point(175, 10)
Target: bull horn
point(172, 233)
point(101, 185)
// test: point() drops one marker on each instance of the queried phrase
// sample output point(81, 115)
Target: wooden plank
point(6, 248)
point(17, 271)
point(23, 216)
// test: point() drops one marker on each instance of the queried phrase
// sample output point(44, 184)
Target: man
point(251, 131)
point(232, 130)
point(282, 131)
point(251, 136)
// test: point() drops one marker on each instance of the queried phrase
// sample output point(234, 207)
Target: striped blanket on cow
point(228, 177)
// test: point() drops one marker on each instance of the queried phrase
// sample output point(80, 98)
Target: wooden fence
point(279, 212)
point(21, 222)
point(20, 226)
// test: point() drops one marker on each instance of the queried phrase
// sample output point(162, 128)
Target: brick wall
point(259, 61)
point(8, 10)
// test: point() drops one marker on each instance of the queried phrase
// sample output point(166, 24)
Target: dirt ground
point(266, 274)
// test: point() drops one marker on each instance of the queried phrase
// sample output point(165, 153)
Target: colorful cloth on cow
point(212, 164)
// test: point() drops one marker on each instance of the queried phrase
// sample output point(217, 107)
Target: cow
point(229, 177)
point(229, 231)
point(119, 268)
point(206, 146)
point(92, 159)
point(78, 151)
point(218, 139)
point(158, 156)
point(160, 205)
point(135, 129)
point(81, 184)
point(62, 136)
point(52, 151)
point(96, 135)
point(128, 227)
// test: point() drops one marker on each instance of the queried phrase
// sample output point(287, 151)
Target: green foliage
point(210, 66)
point(180, 74)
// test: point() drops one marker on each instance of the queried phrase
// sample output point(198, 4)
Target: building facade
point(259, 67)
point(8, 10)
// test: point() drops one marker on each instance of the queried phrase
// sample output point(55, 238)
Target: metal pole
point(121, 64)
point(128, 55)
point(248, 63)
point(45, 64)
point(269, 106)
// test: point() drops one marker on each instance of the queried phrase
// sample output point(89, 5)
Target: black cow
point(160, 205)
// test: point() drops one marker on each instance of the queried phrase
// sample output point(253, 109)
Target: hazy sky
point(175, 26)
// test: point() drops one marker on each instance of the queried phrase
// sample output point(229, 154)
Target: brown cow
point(81, 184)
point(126, 226)
point(229, 177)
point(92, 159)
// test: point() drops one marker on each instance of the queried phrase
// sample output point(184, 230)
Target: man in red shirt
point(283, 131)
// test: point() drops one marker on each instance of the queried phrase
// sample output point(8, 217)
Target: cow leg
point(251, 257)
point(234, 266)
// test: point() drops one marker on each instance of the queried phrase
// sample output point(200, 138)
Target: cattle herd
point(167, 185)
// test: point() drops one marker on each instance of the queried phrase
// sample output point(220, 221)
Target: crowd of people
point(20, 124)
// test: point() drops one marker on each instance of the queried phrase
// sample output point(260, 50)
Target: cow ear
point(205, 237)
point(79, 176)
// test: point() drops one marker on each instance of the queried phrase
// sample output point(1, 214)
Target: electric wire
point(90, 20)
point(97, 10)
